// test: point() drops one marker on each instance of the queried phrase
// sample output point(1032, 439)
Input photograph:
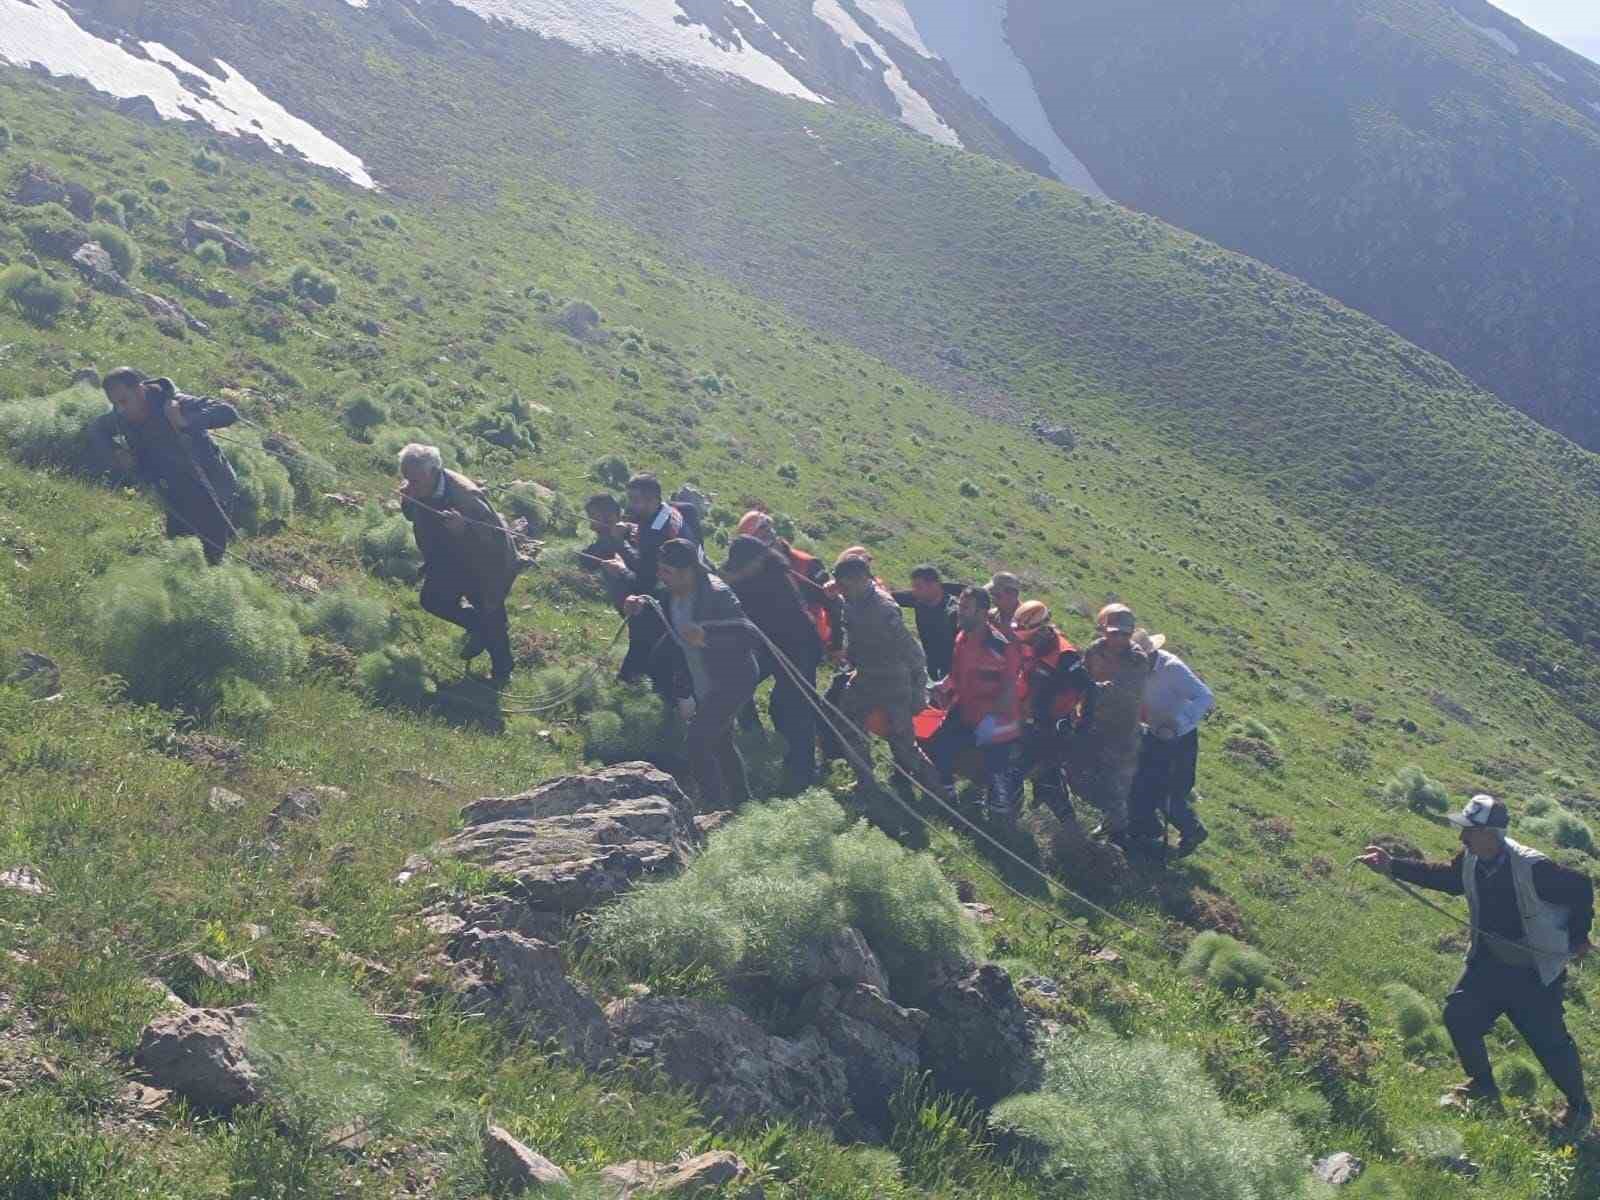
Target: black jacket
point(1498, 912)
point(173, 460)
point(770, 594)
point(937, 626)
point(729, 652)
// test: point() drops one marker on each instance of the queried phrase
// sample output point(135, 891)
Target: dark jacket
point(663, 526)
point(618, 587)
point(771, 595)
point(1056, 684)
point(482, 555)
point(937, 626)
point(729, 653)
point(1497, 898)
point(173, 460)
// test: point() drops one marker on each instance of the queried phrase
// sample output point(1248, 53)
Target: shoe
point(1576, 1119)
point(473, 646)
point(1470, 1095)
point(1191, 841)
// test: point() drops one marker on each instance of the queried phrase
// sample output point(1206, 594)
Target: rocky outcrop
point(170, 317)
point(1336, 1170)
point(521, 982)
point(578, 841)
point(513, 1168)
point(580, 319)
point(1056, 435)
point(979, 1038)
point(95, 264)
point(37, 185)
point(736, 1069)
point(877, 1041)
point(719, 1172)
point(239, 252)
point(845, 960)
point(200, 1054)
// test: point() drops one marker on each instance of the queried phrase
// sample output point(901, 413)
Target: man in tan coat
point(469, 558)
point(1104, 755)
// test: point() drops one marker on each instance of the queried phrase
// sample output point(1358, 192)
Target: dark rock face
point(239, 252)
point(521, 982)
point(979, 1038)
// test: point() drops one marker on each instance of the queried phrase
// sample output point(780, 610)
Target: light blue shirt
point(1174, 696)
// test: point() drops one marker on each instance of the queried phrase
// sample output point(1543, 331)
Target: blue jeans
point(954, 737)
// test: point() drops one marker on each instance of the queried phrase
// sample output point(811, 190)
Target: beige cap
point(1116, 618)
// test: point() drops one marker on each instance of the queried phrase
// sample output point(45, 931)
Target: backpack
point(693, 506)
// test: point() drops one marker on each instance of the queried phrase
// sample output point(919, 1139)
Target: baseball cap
point(1005, 581)
point(1116, 618)
point(1481, 812)
point(679, 552)
point(1031, 615)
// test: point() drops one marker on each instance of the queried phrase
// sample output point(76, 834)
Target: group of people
point(987, 681)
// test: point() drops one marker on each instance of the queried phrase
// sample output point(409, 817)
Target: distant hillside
point(1432, 162)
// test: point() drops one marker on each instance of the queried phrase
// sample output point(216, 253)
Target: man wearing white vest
point(1530, 918)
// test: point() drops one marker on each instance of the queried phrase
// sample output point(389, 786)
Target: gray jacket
point(729, 653)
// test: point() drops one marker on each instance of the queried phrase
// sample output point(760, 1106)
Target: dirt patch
point(1333, 1041)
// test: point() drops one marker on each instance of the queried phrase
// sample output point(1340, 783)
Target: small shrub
point(307, 281)
point(53, 431)
point(356, 622)
point(789, 471)
point(612, 471)
point(1413, 1013)
point(635, 727)
point(175, 630)
point(160, 187)
point(243, 706)
point(1133, 1120)
point(508, 424)
point(386, 545)
point(1229, 964)
point(263, 1159)
point(1518, 1078)
point(1414, 790)
point(38, 297)
point(266, 494)
point(547, 511)
point(46, 1152)
point(108, 210)
point(406, 390)
point(303, 204)
point(124, 253)
point(1560, 828)
point(206, 163)
point(396, 676)
point(210, 253)
point(364, 414)
point(969, 489)
point(135, 207)
point(389, 221)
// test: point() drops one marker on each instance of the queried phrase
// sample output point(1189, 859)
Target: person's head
point(1483, 824)
point(420, 466)
point(679, 565)
point(758, 525)
point(124, 389)
point(860, 552)
point(1006, 591)
point(644, 495)
point(1032, 623)
point(744, 552)
point(603, 512)
point(974, 608)
point(1116, 623)
point(926, 585)
point(854, 576)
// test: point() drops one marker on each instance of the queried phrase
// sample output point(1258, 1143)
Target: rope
point(1477, 930)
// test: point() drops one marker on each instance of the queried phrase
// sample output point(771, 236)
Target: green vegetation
point(116, 242)
point(38, 297)
point(1229, 964)
point(1414, 790)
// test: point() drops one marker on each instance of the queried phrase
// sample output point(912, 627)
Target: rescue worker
point(469, 559)
point(1175, 702)
point(983, 696)
point(719, 659)
point(1005, 590)
point(651, 651)
point(1104, 757)
point(1530, 918)
point(772, 597)
point(822, 601)
point(1056, 689)
point(934, 602)
point(168, 446)
point(890, 676)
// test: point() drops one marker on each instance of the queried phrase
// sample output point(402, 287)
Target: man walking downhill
point(1056, 690)
point(719, 657)
point(890, 676)
point(1105, 755)
point(1530, 918)
point(984, 696)
point(169, 447)
point(469, 559)
point(1175, 702)
point(934, 603)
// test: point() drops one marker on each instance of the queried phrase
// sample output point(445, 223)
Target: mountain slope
point(1431, 162)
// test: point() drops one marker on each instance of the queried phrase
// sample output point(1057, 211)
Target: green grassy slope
point(1060, 306)
point(1383, 150)
point(1355, 672)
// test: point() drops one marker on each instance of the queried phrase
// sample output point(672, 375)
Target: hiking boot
point(473, 646)
point(1191, 840)
point(1576, 1119)
point(1471, 1095)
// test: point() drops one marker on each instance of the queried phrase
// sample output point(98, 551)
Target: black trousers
point(1488, 989)
point(1165, 778)
point(194, 510)
point(1041, 759)
point(442, 598)
point(652, 653)
point(796, 720)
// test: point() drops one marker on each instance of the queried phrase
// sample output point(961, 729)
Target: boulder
point(302, 804)
point(513, 1168)
point(239, 252)
point(39, 185)
point(979, 1037)
point(25, 880)
point(521, 982)
point(86, 377)
point(1056, 435)
point(736, 1069)
point(170, 317)
point(845, 960)
point(580, 319)
point(713, 1173)
point(221, 800)
point(199, 1053)
point(94, 263)
point(234, 974)
point(1339, 1169)
point(877, 1041)
point(575, 842)
point(36, 674)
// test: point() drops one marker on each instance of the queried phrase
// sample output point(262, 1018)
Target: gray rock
point(575, 842)
point(86, 376)
point(845, 960)
point(172, 317)
point(37, 184)
point(94, 263)
point(218, 971)
point(736, 1069)
point(877, 1041)
point(1056, 435)
point(979, 1037)
point(521, 982)
point(302, 804)
point(37, 674)
point(221, 800)
point(25, 880)
point(514, 1168)
point(714, 1172)
point(200, 1054)
point(239, 252)
point(1339, 1169)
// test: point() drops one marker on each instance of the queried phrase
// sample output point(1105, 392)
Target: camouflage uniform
point(891, 674)
point(1104, 756)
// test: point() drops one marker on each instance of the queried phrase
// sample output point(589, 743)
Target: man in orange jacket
point(1056, 688)
point(983, 695)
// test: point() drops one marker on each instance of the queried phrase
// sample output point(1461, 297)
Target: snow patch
point(761, 21)
point(1549, 72)
point(970, 35)
point(893, 17)
point(644, 28)
point(41, 32)
point(1498, 36)
point(915, 110)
